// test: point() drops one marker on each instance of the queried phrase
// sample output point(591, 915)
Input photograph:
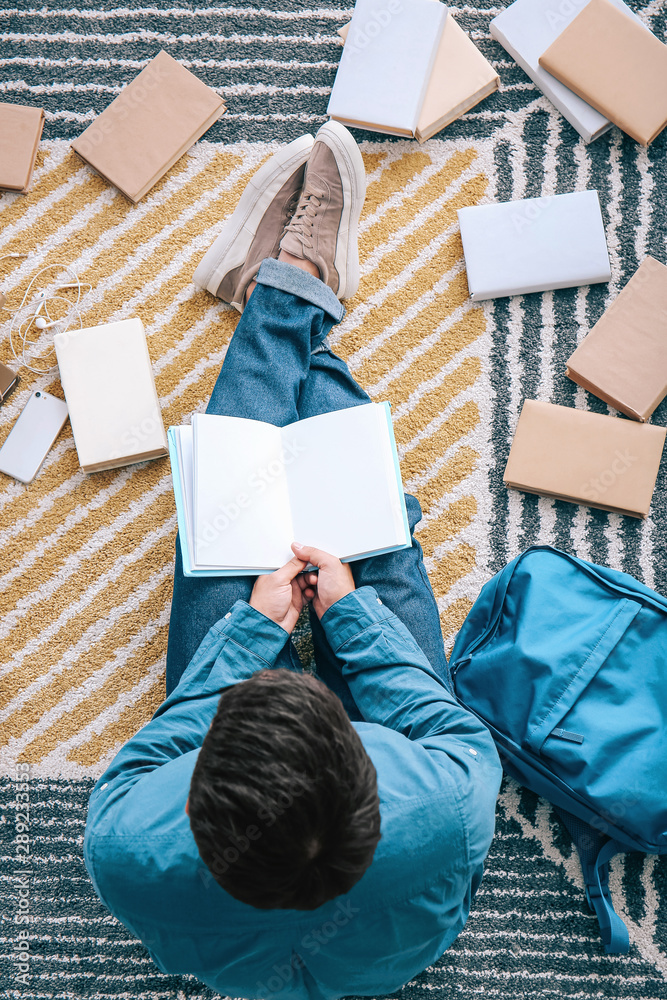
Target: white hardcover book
point(245, 489)
point(386, 64)
point(108, 382)
point(533, 245)
point(526, 29)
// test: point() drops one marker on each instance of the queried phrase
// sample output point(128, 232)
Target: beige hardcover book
point(20, 132)
point(461, 78)
point(623, 360)
point(149, 126)
point(588, 458)
point(615, 65)
point(114, 410)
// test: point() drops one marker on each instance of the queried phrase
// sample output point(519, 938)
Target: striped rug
point(85, 579)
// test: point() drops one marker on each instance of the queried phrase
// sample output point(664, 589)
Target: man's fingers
point(311, 555)
point(291, 569)
point(297, 595)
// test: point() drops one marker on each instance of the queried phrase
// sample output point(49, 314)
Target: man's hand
point(278, 595)
point(333, 581)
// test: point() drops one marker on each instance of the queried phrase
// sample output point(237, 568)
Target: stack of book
point(407, 69)
point(599, 65)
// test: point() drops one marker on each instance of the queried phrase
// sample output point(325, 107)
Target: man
point(272, 833)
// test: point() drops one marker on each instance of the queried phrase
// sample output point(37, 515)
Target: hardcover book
point(20, 132)
point(587, 458)
point(616, 65)
point(525, 29)
point(8, 381)
point(623, 360)
point(386, 65)
point(108, 383)
point(244, 489)
point(149, 126)
point(461, 78)
point(533, 245)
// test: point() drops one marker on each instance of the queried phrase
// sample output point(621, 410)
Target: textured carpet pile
point(85, 574)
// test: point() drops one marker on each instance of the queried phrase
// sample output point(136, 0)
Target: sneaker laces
point(301, 223)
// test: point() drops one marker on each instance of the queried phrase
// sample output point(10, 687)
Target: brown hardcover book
point(616, 65)
point(461, 78)
point(149, 126)
point(20, 132)
point(623, 360)
point(588, 458)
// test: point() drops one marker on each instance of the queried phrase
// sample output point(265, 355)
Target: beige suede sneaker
point(254, 229)
point(325, 224)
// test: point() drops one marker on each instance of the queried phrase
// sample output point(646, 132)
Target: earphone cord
point(20, 332)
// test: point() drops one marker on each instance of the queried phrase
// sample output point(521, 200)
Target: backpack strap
point(595, 852)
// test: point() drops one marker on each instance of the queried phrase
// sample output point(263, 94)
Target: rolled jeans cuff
point(291, 279)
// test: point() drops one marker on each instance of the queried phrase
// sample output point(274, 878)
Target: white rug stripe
point(164, 38)
point(263, 13)
point(229, 90)
point(291, 64)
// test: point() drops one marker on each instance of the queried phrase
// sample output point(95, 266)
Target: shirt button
point(378, 600)
point(105, 785)
point(473, 752)
point(228, 615)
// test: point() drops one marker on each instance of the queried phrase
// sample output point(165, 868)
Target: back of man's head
point(283, 804)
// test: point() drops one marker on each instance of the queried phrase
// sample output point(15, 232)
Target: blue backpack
point(566, 663)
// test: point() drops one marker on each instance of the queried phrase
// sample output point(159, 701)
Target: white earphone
point(21, 324)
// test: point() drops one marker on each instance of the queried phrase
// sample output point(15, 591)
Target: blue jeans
point(277, 369)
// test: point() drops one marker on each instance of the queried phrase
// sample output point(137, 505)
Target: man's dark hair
point(284, 806)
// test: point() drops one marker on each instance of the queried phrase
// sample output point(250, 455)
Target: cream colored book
point(108, 382)
point(461, 78)
point(588, 458)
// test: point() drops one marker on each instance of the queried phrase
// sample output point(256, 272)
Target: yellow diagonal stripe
point(129, 721)
point(449, 523)
point(455, 471)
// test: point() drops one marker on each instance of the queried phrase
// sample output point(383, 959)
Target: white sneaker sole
point(353, 177)
point(232, 245)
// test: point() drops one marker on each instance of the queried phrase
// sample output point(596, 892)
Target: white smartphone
point(32, 436)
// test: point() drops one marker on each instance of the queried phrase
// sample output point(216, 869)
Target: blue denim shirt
point(438, 776)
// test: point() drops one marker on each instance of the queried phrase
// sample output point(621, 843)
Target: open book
point(245, 490)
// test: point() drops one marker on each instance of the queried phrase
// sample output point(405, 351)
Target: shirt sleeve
point(238, 645)
point(391, 679)
point(394, 685)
